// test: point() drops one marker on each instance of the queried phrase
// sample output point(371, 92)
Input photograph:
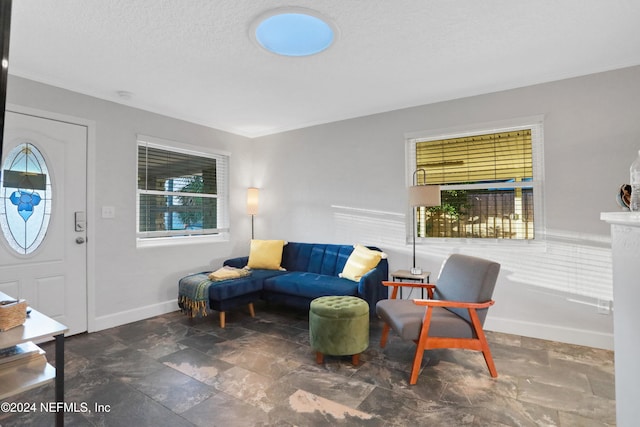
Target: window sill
point(539, 243)
point(155, 242)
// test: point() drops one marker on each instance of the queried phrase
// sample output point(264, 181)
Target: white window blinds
point(487, 184)
point(180, 192)
point(504, 156)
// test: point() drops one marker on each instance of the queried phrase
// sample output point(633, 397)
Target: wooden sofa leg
point(222, 319)
point(319, 357)
point(252, 311)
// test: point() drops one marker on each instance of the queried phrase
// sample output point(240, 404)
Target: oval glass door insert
point(25, 198)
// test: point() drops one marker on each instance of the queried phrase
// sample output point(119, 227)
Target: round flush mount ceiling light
point(293, 32)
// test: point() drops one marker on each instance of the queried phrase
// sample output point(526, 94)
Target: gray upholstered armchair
point(454, 319)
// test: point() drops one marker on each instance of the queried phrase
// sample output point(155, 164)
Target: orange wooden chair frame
point(426, 342)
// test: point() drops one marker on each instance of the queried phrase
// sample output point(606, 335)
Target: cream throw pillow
point(360, 262)
point(266, 254)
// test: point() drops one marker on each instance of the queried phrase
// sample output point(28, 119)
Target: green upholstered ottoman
point(339, 326)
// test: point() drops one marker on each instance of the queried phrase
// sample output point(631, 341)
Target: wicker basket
point(12, 315)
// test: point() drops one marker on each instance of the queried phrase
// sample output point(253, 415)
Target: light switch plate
point(108, 212)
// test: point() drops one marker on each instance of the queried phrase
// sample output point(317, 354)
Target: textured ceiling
point(195, 60)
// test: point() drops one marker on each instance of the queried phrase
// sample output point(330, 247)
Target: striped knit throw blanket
point(193, 290)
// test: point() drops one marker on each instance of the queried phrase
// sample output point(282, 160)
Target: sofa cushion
point(315, 257)
point(232, 288)
point(219, 291)
point(310, 285)
point(261, 275)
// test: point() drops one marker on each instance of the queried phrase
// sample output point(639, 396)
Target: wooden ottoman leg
point(222, 318)
point(355, 359)
point(252, 312)
point(319, 357)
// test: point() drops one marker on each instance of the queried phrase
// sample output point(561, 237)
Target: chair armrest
point(472, 307)
point(396, 285)
point(454, 304)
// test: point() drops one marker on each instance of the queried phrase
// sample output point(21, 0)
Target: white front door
point(43, 198)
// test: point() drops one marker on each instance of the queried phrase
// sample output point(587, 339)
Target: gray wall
point(129, 283)
point(344, 182)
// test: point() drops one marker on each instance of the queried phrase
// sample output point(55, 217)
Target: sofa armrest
point(370, 287)
point(239, 262)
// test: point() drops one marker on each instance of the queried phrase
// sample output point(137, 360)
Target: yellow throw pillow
point(360, 262)
point(266, 254)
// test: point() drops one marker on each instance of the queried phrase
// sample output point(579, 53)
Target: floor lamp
point(425, 196)
point(252, 205)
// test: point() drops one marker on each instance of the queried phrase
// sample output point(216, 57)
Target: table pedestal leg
point(60, 377)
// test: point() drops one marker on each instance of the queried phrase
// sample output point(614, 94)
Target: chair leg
point(319, 358)
point(490, 364)
point(252, 311)
point(420, 346)
point(222, 319)
point(417, 362)
point(486, 352)
point(484, 344)
point(385, 335)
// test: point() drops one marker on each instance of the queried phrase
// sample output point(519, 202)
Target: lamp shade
point(424, 195)
point(252, 201)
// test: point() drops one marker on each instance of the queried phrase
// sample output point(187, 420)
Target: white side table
point(36, 327)
point(402, 275)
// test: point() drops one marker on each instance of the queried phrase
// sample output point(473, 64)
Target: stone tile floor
point(172, 371)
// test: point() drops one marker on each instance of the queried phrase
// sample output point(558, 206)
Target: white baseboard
point(128, 316)
point(550, 332)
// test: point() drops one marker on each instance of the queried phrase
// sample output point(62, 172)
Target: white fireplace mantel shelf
point(622, 218)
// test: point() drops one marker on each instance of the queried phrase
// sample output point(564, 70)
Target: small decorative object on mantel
point(624, 196)
point(12, 313)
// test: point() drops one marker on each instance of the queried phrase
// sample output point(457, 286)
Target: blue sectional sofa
point(311, 270)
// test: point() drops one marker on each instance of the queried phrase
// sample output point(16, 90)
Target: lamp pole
point(252, 205)
point(421, 195)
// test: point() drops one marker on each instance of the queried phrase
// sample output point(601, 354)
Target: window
point(180, 192)
point(489, 183)
point(25, 198)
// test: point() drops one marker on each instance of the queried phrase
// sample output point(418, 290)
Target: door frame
point(92, 219)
